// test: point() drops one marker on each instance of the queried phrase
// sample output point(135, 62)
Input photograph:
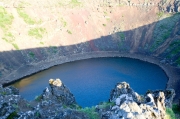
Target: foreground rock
point(130, 105)
point(55, 103)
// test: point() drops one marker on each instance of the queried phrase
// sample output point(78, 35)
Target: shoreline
point(172, 73)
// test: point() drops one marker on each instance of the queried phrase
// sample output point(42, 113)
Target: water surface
point(91, 80)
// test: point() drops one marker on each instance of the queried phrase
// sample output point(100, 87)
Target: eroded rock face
point(130, 105)
point(58, 92)
point(54, 103)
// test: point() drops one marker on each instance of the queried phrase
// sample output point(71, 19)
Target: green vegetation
point(31, 54)
point(69, 31)
point(104, 24)
point(173, 51)
point(63, 22)
point(122, 38)
point(105, 13)
point(108, 19)
point(75, 3)
point(90, 112)
point(38, 98)
point(6, 19)
point(9, 38)
point(37, 32)
point(72, 3)
point(176, 109)
point(15, 46)
point(163, 31)
point(3, 93)
point(169, 114)
point(160, 14)
point(25, 16)
point(104, 105)
point(41, 43)
point(12, 115)
point(54, 48)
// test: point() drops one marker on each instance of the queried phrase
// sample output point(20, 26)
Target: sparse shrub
point(69, 31)
point(37, 32)
point(31, 54)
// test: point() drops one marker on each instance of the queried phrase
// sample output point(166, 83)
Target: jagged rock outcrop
point(130, 105)
point(58, 92)
point(55, 103)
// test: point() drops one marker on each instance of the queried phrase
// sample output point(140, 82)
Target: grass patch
point(72, 3)
point(104, 105)
point(108, 19)
point(31, 54)
point(75, 3)
point(6, 19)
point(122, 36)
point(8, 37)
point(104, 24)
point(41, 43)
point(63, 22)
point(54, 49)
point(25, 16)
point(169, 114)
point(160, 14)
point(15, 46)
point(163, 31)
point(90, 112)
point(173, 50)
point(69, 31)
point(37, 32)
point(27, 19)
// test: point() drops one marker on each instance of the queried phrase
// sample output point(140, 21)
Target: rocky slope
point(39, 34)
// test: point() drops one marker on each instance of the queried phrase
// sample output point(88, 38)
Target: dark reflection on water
point(91, 80)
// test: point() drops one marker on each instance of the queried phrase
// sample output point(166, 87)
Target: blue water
point(91, 80)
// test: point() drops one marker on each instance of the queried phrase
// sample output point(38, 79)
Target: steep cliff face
point(32, 33)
